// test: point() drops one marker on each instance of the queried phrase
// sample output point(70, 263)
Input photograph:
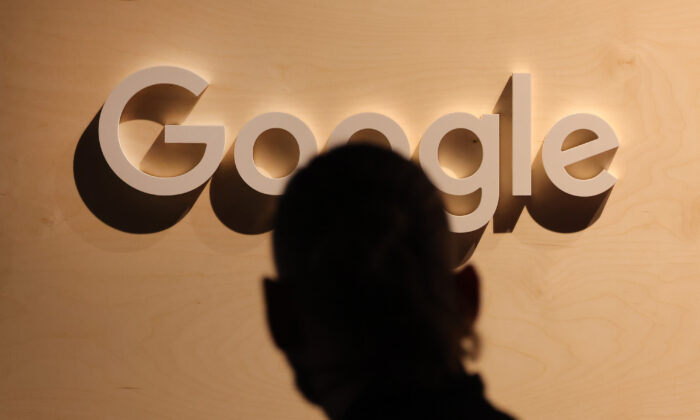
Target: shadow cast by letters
point(550, 207)
point(509, 206)
point(557, 211)
point(113, 201)
point(463, 245)
point(237, 205)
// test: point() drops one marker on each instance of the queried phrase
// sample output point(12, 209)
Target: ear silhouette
point(468, 289)
point(282, 317)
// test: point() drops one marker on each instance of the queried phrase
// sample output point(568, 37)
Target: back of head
point(361, 236)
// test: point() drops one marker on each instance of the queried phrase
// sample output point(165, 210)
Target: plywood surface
point(96, 323)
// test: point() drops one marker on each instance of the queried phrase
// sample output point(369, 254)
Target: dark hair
point(362, 235)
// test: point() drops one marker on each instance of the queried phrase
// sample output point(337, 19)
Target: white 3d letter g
point(212, 136)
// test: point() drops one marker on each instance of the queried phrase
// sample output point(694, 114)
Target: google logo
point(555, 159)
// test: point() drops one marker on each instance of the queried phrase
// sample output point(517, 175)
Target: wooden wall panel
point(98, 323)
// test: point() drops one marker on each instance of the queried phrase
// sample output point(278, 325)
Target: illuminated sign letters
point(486, 178)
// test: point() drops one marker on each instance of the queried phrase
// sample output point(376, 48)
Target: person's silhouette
point(366, 306)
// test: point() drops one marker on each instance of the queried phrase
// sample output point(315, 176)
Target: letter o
point(243, 149)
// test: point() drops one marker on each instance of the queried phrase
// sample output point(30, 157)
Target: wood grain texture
point(96, 323)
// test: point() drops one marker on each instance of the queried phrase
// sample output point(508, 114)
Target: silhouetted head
point(365, 292)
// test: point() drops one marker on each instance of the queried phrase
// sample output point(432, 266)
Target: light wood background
point(96, 323)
